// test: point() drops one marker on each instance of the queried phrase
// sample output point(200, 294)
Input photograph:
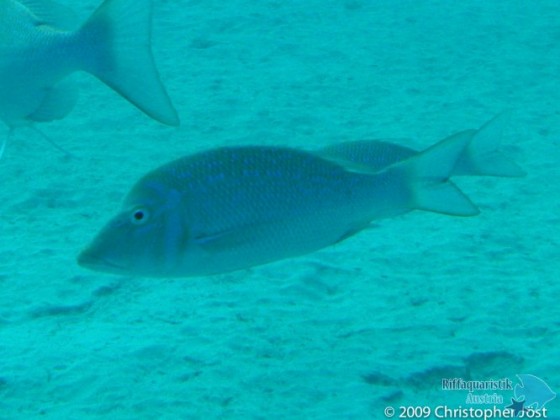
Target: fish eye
point(139, 216)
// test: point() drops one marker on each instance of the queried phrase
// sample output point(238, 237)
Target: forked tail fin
point(483, 157)
point(114, 46)
point(427, 176)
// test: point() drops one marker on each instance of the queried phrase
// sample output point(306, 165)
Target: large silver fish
point(232, 208)
point(40, 46)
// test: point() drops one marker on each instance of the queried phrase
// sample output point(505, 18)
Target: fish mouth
point(88, 260)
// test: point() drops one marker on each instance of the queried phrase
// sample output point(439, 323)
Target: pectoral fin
point(224, 240)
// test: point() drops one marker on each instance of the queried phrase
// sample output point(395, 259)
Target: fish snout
point(90, 259)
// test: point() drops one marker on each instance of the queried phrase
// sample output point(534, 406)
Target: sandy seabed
point(374, 321)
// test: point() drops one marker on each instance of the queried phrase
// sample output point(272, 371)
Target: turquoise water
point(375, 321)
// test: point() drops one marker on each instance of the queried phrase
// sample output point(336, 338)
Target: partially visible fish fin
point(51, 141)
point(50, 13)
point(367, 156)
point(119, 33)
point(11, 134)
point(59, 100)
point(482, 156)
point(358, 227)
point(351, 166)
point(428, 173)
point(5, 141)
point(444, 198)
point(222, 240)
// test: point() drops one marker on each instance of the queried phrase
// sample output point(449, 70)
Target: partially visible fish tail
point(483, 157)
point(115, 47)
point(427, 176)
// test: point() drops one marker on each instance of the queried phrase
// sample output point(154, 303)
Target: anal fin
point(58, 101)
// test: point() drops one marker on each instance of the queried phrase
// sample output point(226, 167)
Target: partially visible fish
point(533, 391)
point(481, 157)
point(232, 208)
point(40, 47)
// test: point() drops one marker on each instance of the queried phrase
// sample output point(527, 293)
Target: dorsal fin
point(50, 13)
